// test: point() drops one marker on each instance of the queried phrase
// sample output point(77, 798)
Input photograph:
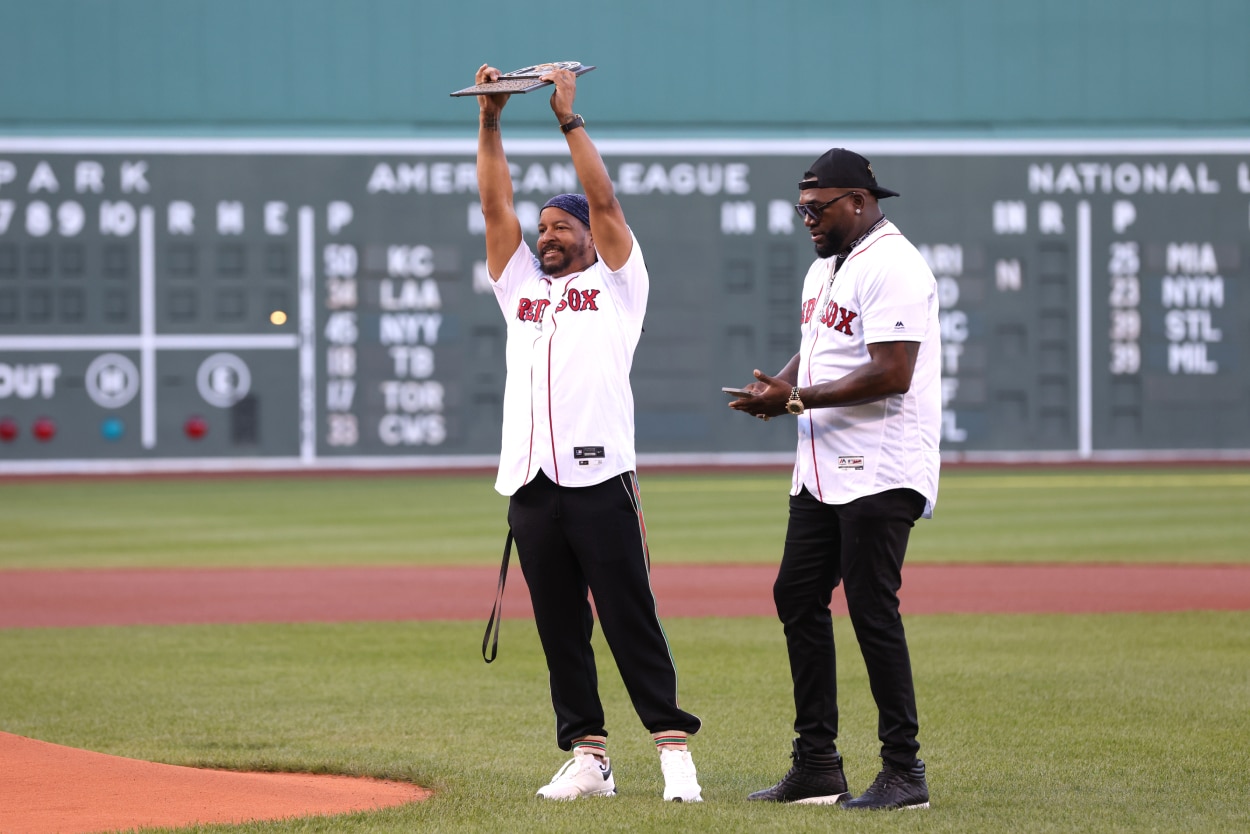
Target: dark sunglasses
point(815, 210)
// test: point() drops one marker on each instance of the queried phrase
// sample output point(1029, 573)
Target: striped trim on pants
point(571, 540)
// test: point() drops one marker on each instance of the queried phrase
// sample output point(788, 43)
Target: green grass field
point(1031, 723)
point(1128, 515)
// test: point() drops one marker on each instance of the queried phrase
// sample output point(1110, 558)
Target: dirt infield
point(111, 793)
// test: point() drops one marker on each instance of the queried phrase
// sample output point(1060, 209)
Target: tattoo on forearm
point(490, 122)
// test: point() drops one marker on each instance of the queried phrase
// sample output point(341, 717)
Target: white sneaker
point(680, 784)
point(582, 775)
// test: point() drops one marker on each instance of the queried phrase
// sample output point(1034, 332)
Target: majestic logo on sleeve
point(839, 318)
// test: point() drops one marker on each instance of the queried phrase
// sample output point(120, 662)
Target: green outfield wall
point(788, 67)
point(246, 234)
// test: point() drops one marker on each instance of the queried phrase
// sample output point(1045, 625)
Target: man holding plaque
point(574, 315)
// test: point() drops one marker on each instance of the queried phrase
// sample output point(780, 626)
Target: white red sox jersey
point(568, 409)
point(884, 292)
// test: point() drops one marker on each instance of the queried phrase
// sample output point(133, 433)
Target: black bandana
point(574, 204)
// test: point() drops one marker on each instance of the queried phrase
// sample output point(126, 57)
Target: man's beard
point(558, 266)
point(826, 250)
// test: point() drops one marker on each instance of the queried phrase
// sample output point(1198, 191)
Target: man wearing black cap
point(865, 390)
point(574, 316)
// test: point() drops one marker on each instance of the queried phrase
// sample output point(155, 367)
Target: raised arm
point(607, 220)
point(494, 181)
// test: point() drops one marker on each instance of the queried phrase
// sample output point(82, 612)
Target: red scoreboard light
point(195, 427)
point(43, 429)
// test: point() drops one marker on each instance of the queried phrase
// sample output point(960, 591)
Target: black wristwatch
point(573, 124)
point(794, 405)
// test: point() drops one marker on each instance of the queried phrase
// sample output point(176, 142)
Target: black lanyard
point(496, 613)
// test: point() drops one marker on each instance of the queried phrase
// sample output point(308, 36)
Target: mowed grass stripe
point(957, 480)
point(1128, 515)
point(1150, 480)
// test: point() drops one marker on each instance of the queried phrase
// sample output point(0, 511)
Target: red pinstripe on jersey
point(811, 425)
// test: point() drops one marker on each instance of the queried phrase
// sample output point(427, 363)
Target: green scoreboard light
point(197, 304)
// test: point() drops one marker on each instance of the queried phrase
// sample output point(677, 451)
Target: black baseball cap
point(840, 168)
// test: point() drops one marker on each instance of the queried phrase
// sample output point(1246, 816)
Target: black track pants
point(569, 539)
point(861, 545)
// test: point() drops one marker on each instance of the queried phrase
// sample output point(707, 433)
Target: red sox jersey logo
point(578, 300)
point(533, 309)
point(839, 318)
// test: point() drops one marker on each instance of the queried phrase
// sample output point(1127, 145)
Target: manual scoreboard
point(253, 303)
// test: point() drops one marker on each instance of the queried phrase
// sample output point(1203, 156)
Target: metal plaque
point(523, 80)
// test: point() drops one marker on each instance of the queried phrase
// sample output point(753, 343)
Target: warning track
point(68, 598)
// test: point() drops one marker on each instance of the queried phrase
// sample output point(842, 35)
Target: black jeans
point(570, 539)
point(860, 545)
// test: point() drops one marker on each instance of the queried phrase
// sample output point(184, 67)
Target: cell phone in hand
point(738, 392)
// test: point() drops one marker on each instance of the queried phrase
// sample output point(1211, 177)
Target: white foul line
point(1084, 335)
point(529, 144)
point(307, 338)
point(169, 341)
point(147, 327)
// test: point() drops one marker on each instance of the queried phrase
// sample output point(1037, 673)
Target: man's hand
point(771, 395)
point(492, 104)
point(566, 91)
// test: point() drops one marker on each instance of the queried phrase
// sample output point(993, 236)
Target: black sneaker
point(814, 779)
point(894, 788)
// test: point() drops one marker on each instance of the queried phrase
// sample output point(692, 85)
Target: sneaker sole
point(920, 806)
point(695, 798)
point(574, 796)
point(832, 799)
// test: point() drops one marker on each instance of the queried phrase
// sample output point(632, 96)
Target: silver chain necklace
point(840, 258)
